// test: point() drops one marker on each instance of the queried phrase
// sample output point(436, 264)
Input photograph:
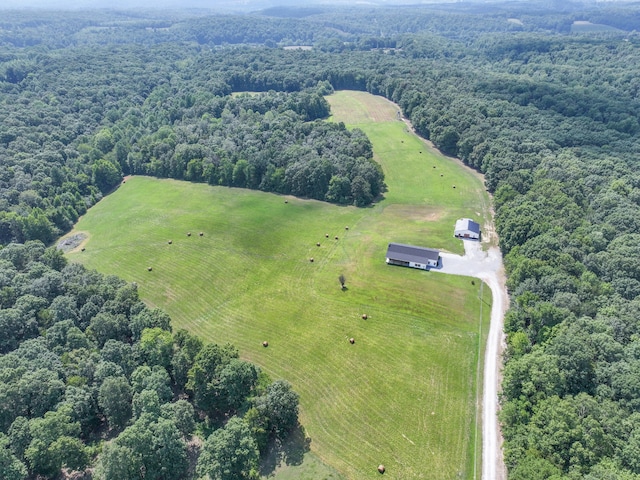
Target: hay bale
point(336, 237)
point(170, 242)
point(346, 228)
point(365, 316)
point(188, 234)
point(311, 259)
point(434, 166)
point(82, 249)
point(201, 234)
point(352, 340)
point(441, 175)
point(265, 344)
point(286, 201)
point(318, 244)
point(381, 468)
point(454, 186)
point(149, 269)
point(326, 235)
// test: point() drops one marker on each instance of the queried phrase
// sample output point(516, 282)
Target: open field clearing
point(404, 394)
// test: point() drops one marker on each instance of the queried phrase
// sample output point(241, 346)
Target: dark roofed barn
point(412, 256)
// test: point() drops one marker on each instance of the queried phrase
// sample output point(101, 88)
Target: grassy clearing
point(404, 394)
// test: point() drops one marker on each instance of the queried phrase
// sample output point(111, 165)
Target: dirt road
point(488, 267)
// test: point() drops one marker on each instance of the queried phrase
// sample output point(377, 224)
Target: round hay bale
point(365, 316)
point(265, 344)
point(434, 166)
point(336, 237)
point(149, 269)
point(346, 228)
point(381, 468)
point(170, 242)
point(454, 186)
point(124, 181)
point(318, 244)
point(201, 234)
point(82, 249)
point(441, 175)
point(286, 201)
point(352, 340)
point(188, 234)
point(326, 235)
point(420, 151)
point(311, 259)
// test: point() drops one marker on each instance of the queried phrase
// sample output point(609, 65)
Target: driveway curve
point(487, 266)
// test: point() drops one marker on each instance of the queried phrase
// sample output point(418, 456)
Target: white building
point(467, 228)
point(410, 256)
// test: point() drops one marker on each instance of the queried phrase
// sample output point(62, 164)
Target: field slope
point(405, 393)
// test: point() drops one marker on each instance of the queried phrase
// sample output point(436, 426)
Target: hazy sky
point(227, 5)
point(234, 5)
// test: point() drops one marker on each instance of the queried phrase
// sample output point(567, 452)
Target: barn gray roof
point(410, 253)
point(468, 224)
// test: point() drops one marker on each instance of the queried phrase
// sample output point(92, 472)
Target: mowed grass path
point(405, 393)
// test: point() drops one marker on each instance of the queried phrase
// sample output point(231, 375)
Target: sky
point(220, 5)
point(226, 5)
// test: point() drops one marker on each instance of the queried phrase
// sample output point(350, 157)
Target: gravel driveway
point(488, 267)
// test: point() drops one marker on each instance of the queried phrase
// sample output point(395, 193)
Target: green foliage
point(150, 448)
point(114, 399)
point(11, 468)
point(156, 346)
point(218, 381)
point(106, 175)
point(279, 405)
point(153, 378)
point(230, 453)
point(55, 444)
point(535, 468)
point(182, 414)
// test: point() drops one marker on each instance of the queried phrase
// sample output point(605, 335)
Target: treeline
point(272, 142)
point(91, 377)
point(357, 28)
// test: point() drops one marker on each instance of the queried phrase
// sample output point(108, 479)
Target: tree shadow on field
point(288, 452)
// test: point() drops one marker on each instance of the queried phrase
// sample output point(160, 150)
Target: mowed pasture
point(405, 393)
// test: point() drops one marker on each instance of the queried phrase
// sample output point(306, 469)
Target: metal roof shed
point(412, 256)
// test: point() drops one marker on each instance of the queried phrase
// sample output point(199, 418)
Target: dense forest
point(546, 108)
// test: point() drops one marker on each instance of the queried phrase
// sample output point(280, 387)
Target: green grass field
point(405, 393)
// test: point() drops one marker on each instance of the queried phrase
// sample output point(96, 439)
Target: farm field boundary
point(404, 394)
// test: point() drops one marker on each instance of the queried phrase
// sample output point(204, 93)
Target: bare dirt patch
point(74, 242)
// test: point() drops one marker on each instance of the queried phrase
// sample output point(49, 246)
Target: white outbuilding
point(412, 256)
point(467, 228)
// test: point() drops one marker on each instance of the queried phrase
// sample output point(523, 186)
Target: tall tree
point(229, 453)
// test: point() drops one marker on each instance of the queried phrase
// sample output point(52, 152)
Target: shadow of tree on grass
point(289, 451)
